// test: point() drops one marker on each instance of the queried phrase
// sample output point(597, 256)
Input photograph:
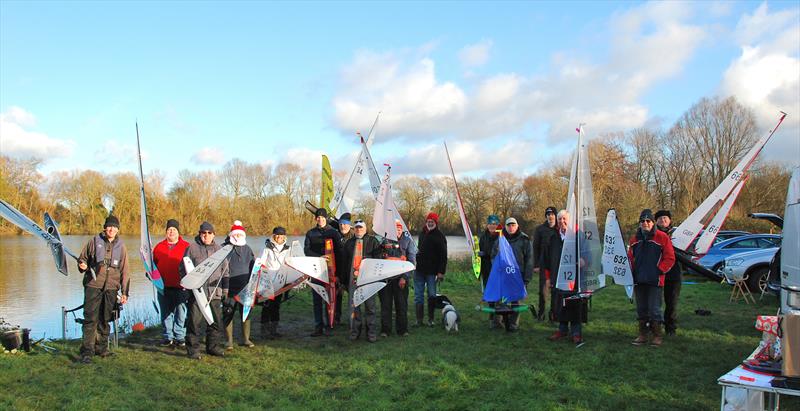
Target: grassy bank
point(476, 369)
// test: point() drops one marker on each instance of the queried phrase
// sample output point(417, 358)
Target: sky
point(504, 83)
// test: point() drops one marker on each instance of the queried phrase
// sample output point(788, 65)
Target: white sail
point(580, 263)
point(615, 258)
point(364, 292)
point(347, 192)
point(375, 183)
point(145, 245)
point(374, 270)
point(464, 222)
point(199, 274)
point(687, 231)
point(383, 217)
point(589, 236)
point(706, 240)
point(567, 267)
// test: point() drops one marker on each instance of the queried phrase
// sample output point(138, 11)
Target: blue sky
point(270, 82)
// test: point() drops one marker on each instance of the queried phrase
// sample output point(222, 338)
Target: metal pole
point(64, 326)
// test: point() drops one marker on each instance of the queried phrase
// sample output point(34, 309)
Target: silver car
point(753, 265)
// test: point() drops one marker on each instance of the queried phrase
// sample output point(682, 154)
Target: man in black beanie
point(104, 262)
point(672, 281)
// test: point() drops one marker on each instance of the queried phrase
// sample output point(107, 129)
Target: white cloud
point(765, 75)
point(209, 156)
point(308, 159)
point(475, 55)
point(113, 152)
point(17, 140)
point(466, 157)
point(649, 43)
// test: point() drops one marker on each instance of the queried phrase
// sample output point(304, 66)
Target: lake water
point(32, 291)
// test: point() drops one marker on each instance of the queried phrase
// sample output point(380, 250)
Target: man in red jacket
point(167, 256)
point(651, 256)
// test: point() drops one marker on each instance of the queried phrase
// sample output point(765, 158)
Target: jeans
point(173, 313)
point(648, 302)
point(420, 282)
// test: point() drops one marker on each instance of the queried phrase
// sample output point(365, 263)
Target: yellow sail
point(326, 195)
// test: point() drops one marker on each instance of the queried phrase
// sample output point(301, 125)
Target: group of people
point(103, 260)
point(656, 275)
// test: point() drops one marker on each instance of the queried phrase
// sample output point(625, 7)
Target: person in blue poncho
point(522, 248)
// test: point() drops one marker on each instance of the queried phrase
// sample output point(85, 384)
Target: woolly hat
point(111, 221)
point(493, 219)
point(279, 231)
point(173, 223)
point(647, 214)
point(433, 216)
point(550, 210)
point(206, 226)
point(237, 228)
point(661, 213)
point(321, 212)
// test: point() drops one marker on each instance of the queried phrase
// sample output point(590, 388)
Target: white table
point(754, 384)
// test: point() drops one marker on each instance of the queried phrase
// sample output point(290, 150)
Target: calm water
point(32, 292)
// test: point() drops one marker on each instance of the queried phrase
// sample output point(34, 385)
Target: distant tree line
point(643, 168)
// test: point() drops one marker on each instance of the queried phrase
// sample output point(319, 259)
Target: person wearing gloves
point(240, 264)
point(104, 264)
point(275, 252)
point(216, 287)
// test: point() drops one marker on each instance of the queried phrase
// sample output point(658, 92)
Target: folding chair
point(740, 289)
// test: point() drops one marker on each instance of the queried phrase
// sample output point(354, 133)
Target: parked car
point(721, 236)
point(752, 265)
point(726, 248)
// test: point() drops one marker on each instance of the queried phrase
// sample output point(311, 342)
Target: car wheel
point(758, 280)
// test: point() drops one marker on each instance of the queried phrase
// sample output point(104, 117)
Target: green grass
point(475, 369)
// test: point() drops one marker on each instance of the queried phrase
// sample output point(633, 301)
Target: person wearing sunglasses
point(651, 257)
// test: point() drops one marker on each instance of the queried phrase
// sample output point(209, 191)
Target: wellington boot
point(246, 334)
point(642, 338)
point(229, 334)
point(420, 313)
point(274, 330)
point(265, 331)
point(658, 337)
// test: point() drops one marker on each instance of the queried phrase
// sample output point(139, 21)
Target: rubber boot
point(229, 334)
point(430, 315)
point(246, 334)
point(265, 331)
point(658, 337)
point(274, 330)
point(420, 313)
point(642, 338)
